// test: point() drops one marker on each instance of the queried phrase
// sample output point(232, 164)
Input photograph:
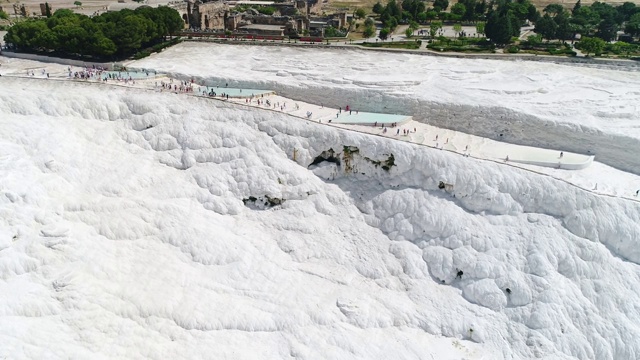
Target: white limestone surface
point(564, 107)
point(128, 230)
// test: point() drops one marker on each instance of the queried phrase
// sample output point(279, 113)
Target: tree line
point(393, 13)
point(111, 34)
point(504, 18)
point(599, 20)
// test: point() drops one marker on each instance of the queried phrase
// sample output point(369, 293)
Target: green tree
point(77, 3)
point(392, 24)
point(413, 25)
point(122, 32)
point(330, 31)
point(606, 11)
point(585, 15)
point(620, 47)
point(391, 15)
point(534, 40)
point(394, 9)
point(47, 10)
point(409, 32)
point(457, 27)
point(156, 28)
point(413, 8)
point(458, 9)
point(360, 13)
point(431, 15)
point(584, 21)
point(592, 45)
point(546, 27)
point(502, 25)
point(24, 35)
point(440, 5)
point(46, 39)
point(434, 27)
point(481, 8)
point(64, 13)
point(130, 34)
point(368, 32)
point(125, 28)
point(369, 29)
point(564, 30)
point(369, 22)
point(4, 15)
point(576, 7)
point(378, 8)
point(172, 20)
point(72, 39)
point(470, 9)
point(627, 10)
point(633, 26)
point(384, 33)
point(480, 25)
point(553, 9)
point(607, 28)
point(522, 9)
point(103, 46)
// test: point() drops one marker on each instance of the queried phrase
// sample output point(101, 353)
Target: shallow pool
point(365, 118)
point(235, 92)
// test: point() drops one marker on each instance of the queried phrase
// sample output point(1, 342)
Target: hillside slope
point(137, 224)
point(571, 108)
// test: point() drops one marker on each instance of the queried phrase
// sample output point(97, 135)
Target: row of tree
point(111, 34)
point(415, 11)
point(504, 18)
point(598, 20)
point(393, 13)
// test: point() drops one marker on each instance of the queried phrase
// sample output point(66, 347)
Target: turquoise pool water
point(366, 118)
point(235, 92)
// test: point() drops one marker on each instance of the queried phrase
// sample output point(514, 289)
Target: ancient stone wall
point(269, 20)
point(209, 15)
point(202, 15)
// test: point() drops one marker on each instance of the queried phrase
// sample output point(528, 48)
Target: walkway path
point(597, 178)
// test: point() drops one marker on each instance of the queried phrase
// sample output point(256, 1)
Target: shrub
point(369, 22)
point(333, 32)
point(512, 49)
point(267, 10)
point(141, 54)
point(440, 47)
point(561, 52)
